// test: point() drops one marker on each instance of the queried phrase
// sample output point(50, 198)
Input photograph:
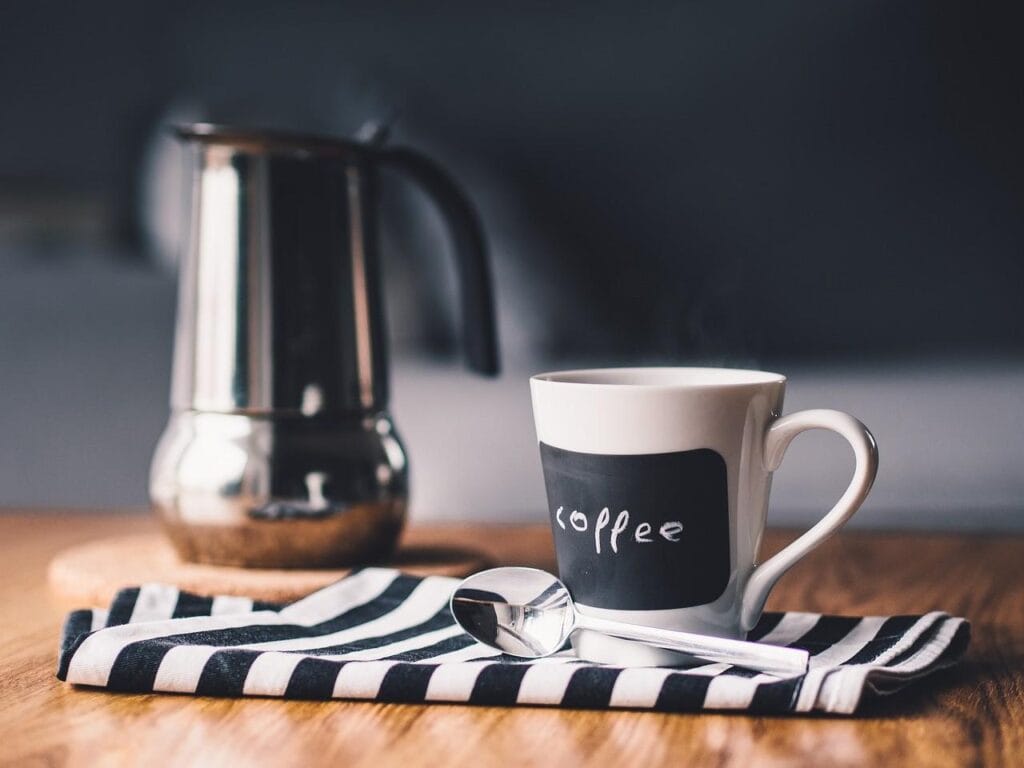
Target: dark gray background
point(831, 189)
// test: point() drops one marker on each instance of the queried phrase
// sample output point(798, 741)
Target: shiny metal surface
point(529, 613)
point(280, 450)
point(280, 297)
point(521, 611)
point(285, 491)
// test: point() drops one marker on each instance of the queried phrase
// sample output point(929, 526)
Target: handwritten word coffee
point(642, 534)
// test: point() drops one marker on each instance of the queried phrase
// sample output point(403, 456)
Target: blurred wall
point(817, 187)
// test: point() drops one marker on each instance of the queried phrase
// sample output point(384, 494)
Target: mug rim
point(689, 377)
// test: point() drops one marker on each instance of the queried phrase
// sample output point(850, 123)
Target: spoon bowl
point(524, 612)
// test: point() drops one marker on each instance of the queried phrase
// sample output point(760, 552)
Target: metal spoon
point(529, 613)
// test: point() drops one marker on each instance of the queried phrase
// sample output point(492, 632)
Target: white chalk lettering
point(620, 525)
point(671, 530)
point(641, 534)
point(602, 522)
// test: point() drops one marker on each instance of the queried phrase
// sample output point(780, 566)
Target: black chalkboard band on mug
point(640, 531)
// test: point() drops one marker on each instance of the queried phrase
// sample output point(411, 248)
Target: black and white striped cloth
point(386, 636)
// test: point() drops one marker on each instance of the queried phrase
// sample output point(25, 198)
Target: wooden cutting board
point(90, 574)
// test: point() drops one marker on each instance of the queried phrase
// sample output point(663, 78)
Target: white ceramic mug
point(658, 481)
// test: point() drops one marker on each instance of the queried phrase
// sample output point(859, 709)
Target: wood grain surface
point(971, 715)
point(93, 572)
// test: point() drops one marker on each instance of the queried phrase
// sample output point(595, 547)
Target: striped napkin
point(386, 636)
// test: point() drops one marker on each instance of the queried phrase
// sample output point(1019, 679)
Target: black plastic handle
point(479, 331)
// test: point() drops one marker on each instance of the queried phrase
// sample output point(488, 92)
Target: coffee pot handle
point(479, 331)
point(779, 435)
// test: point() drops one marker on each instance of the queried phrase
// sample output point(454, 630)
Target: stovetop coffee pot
point(280, 451)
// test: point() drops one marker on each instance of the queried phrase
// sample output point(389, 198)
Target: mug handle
point(777, 439)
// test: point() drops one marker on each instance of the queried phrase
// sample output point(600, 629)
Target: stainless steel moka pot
point(280, 451)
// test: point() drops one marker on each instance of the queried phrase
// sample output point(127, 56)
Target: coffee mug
point(657, 481)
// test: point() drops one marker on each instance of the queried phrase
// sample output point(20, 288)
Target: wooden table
point(971, 715)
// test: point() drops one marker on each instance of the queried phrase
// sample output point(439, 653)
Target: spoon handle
point(773, 659)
